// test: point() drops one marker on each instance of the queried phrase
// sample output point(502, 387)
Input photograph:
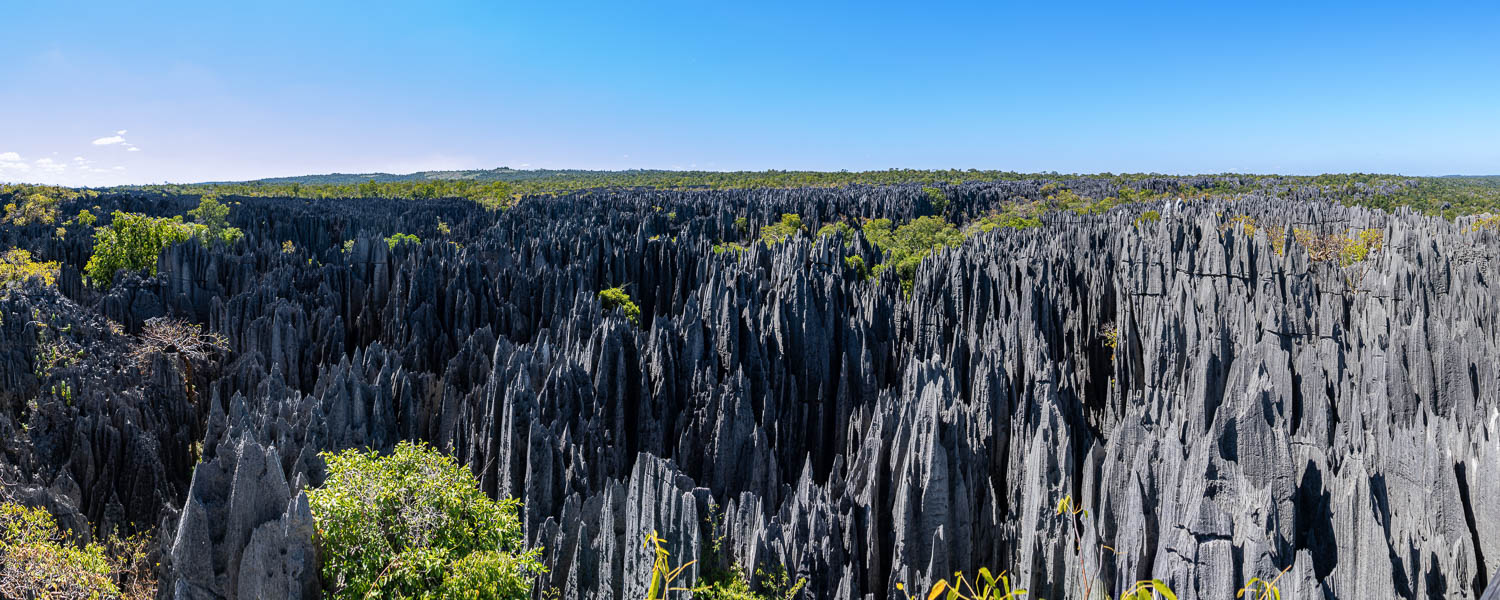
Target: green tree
point(16, 265)
point(214, 217)
point(35, 207)
point(38, 561)
point(909, 244)
point(782, 230)
point(132, 241)
point(396, 239)
point(414, 524)
point(616, 297)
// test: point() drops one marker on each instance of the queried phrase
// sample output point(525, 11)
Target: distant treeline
point(498, 188)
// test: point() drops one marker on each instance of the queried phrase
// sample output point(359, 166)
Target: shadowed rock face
point(1259, 411)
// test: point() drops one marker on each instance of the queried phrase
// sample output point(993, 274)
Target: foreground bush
point(414, 524)
point(37, 561)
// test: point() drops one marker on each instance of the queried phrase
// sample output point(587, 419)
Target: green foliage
point(210, 213)
point(616, 297)
point(37, 206)
point(1346, 249)
point(443, 228)
point(742, 224)
point(1067, 199)
point(287, 247)
point(857, 265)
point(1015, 216)
point(37, 561)
point(1260, 589)
point(133, 242)
point(16, 265)
point(1148, 589)
point(415, 524)
point(662, 571)
point(214, 217)
point(906, 246)
point(779, 583)
point(723, 247)
point(1147, 217)
point(85, 218)
point(937, 198)
point(731, 587)
point(1357, 248)
point(782, 230)
point(840, 229)
point(985, 587)
point(396, 239)
point(1491, 222)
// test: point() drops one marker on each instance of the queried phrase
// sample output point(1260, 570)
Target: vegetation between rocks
point(414, 524)
point(38, 560)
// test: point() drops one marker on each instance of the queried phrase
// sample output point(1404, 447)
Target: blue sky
point(211, 91)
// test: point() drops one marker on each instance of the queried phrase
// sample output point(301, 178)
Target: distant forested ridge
point(1446, 196)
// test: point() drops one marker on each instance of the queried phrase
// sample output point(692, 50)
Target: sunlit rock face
point(1222, 405)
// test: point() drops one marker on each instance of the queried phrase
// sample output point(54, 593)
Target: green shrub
point(857, 265)
point(723, 247)
point(35, 207)
point(414, 524)
point(733, 585)
point(728, 588)
point(1486, 222)
point(37, 561)
point(782, 230)
point(16, 265)
point(1014, 217)
point(214, 219)
point(132, 241)
point(85, 218)
point(1358, 247)
point(397, 239)
point(1149, 216)
point(616, 297)
point(909, 244)
point(840, 229)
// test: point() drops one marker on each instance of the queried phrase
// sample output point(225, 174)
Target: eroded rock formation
point(1223, 406)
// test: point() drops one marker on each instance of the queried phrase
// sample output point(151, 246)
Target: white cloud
point(132, 149)
point(118, 168)
point(10, 162)
point(120, 132)
point(50, 166)
point(106, 141)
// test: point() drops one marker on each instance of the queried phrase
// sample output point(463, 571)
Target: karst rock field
point(1192, 388)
